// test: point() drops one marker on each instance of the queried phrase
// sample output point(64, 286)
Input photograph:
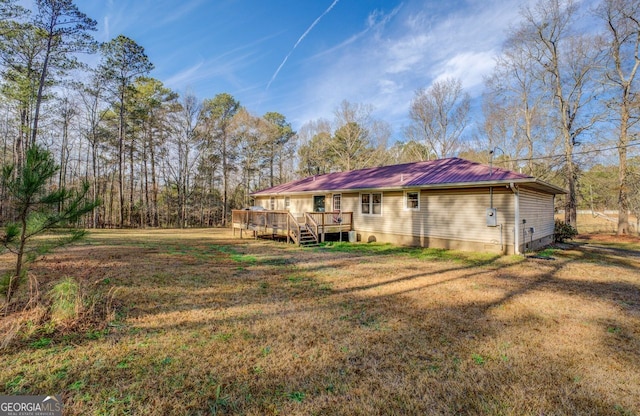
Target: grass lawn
point(201, 323)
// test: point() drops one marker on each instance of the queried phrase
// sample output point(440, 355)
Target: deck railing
point(284, 223)
point(259, 219)
point(333, 218)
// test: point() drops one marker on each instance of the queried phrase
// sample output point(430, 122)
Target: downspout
point(516, 235)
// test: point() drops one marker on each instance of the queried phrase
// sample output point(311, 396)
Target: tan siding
point(444, 214)
point(261, 201)
point(301, 204)
point(537, 209)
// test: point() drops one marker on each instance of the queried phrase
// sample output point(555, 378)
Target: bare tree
point(569, 63)
point(68, 110)
point(515, 108)
point(439, 116)
point(622, 20)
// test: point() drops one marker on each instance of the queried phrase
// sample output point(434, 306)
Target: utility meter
point(492, 217)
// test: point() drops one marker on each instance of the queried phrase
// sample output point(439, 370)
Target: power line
point(584, 152)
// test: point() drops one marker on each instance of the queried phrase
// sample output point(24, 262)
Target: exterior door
point(318, 203)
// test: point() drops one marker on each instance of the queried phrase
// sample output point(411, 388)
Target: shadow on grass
point(270, 338)
point(421, 253)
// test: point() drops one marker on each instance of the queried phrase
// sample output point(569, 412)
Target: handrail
point(309, 219)
point(294, 222)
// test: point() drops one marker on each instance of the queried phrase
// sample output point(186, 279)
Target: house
point(448, 203)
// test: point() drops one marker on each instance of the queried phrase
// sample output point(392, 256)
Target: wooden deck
point(311, 228)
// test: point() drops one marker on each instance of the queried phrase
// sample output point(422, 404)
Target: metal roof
point(441, 173)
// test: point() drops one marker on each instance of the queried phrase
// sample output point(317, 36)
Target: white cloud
point(387, 86)
point(470, 67)
point(178, 13)
point(413, 49)
point(405, 54)
point(182, 78)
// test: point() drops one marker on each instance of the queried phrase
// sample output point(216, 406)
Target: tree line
point(564, 88)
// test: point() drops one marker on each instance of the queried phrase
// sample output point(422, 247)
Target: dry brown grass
point(207, 324)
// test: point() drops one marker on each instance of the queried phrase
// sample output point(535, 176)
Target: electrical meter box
point(492, 217)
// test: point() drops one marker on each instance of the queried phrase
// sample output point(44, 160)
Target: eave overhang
point(528, 182)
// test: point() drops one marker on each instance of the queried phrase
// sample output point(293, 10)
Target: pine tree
point(37, 211)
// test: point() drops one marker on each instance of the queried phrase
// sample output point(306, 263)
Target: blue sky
point(365, 51)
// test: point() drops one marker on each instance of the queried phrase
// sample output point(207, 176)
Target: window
point(287, 202)
point(318, 203)
point(272, 203)
point(337, 202)
point(366, 203)
point(371, 204)
point(412, 200)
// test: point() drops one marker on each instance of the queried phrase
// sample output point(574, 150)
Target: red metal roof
point(408, 175)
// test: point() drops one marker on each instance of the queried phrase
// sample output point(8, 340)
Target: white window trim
point(287, 202)
point(371, 214)
point(272, 203)
point(405, 200)
point(333, 202)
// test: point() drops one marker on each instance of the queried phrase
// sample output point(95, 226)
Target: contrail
point(315, 22)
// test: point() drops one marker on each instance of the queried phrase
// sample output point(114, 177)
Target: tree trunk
point(154, 188)
point(43, 78)
point(225, 179)
point(94, 169)
point(120, 158)
point(62, 174)
point(623, 186)
point(146, 219)
point(13, 281)
point(131, 185)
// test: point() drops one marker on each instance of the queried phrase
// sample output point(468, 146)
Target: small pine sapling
point(36, 210)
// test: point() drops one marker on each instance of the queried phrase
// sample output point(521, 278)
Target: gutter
point(516, 220)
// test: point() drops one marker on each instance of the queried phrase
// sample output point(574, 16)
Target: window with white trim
point(412, 200)
point(272, 203)
point(287, 202)
point(337, 202)
point(371, 204)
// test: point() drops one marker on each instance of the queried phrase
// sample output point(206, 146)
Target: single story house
point(448, 203)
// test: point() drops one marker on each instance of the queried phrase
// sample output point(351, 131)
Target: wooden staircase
point(307, 238)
